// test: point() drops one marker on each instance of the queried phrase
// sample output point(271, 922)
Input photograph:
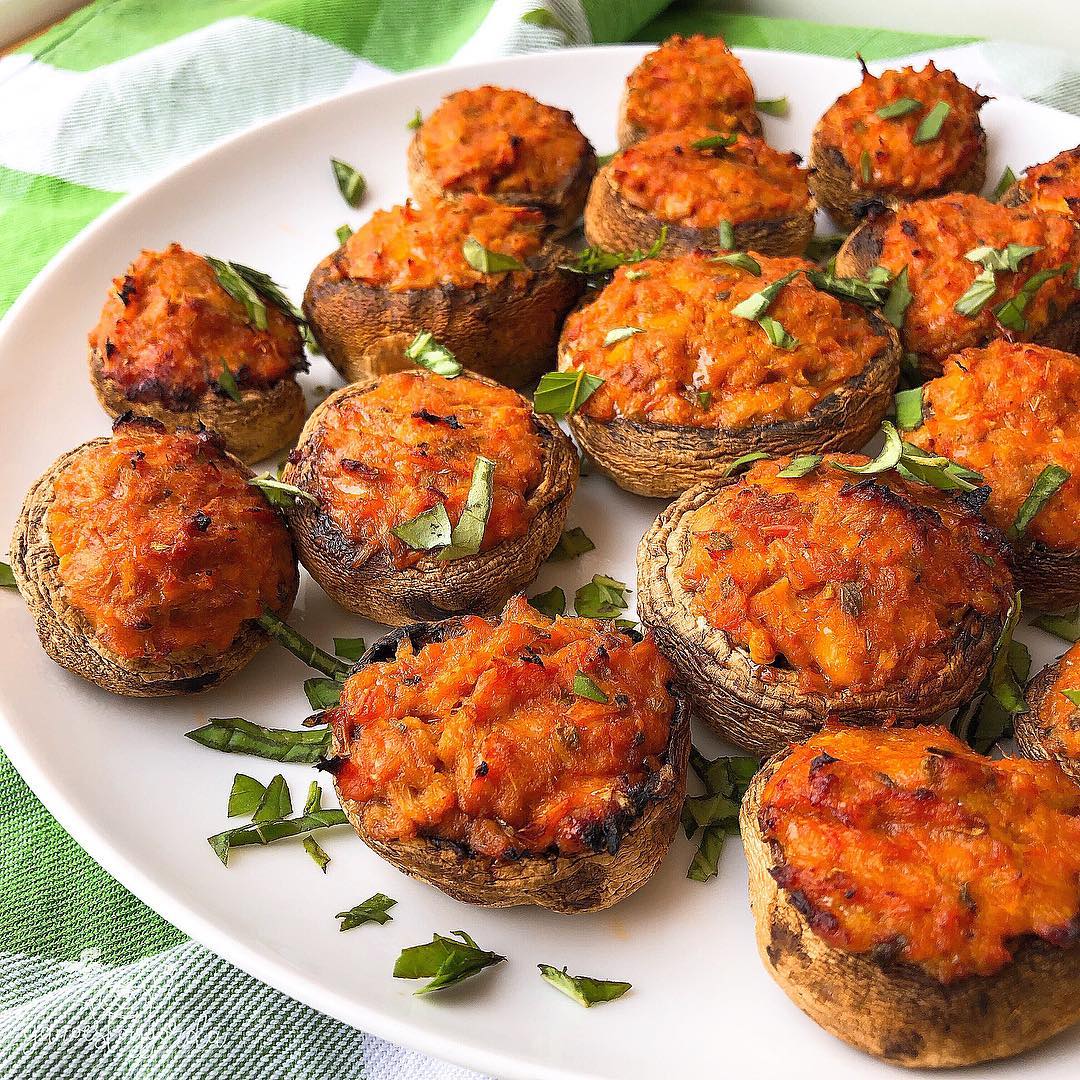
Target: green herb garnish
point(621, 333)
point(350, 182)
point(301, 648)
point(888, 457)
point(572, 543)
point(276, 802)
point(416, 121)
point(343, 232)
point(313, 801)
point(349, 648)
point(866, 167)
point(1011, 313)
point(444, 961)
point(898, 300)
point(602, 598)
point(704, 398)
point(909, 409)
point(278, 493)
point(270, 831)
point(741, 260)
point(581, 988)
point(862, 291)
point(595, 260)
point(824, 247)
point(1045, 485)
point(744, 461)
point(226, 380)
point(252, 288)
point(1007, 258)
point(726, 235)
point(1065, 625)
point(234, 735)
point(372, 910)
point(7, 576)
point(772, 106)
point(488, 262)
point(716, 812)
point(930, 126)
point(800, 466)
point(1073, 696)
point(714, 142)
point(322, 693)
point(894, 110)
point(1008, 178)
point(430, 529)
point(756, 304)
point(979, 293)
point(245, 796)
point(562, 393)
point(776, 333)
point(315, 850)
point(585, 687)
point(552, 602)
point(428, 353)
point(468, 534)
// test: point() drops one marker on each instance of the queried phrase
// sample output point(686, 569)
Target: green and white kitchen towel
point(92, 982)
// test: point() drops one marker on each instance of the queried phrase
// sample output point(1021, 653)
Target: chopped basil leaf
point(7, 576)
point(251, 288)
point(636, 275)
point(343, 233)
point(714, 142)
point(276, 802)
point(234, 735)
point(322, 693)
point(301, 648)
point(313, 801)
point(1066, 625)
point(595, 260)
point(571, 544)
point(866, 167)
point(270, 831)
point(280, 494)
point(427, 531)
point(869, 293)
point(894, 110)
point(416, 121)
point(1046, 484)
point(601, 598)
point(888, 457)
point(581, 988)
point(800, 466)
point(227, 381)
point(920, 466)
point(704, 398)
point(372, 910)
point(898, 300)
point(909, 409)
point(428, 353)
point(741, 260)
point(586, 688)
point(562, 393)
point(772, 106)
point(1008, 178)
point(745, 460)
point(350, 182)
point(776, 334)
point(930, 126)
point(980, 292)
point(468, 534)
point(1010, 667)
point(1072, 695)
point(726, 235)
point(717, 812)
point(1011, 313)
point(486, 261)
point(755, 305)
point(312, 847)
point(706, 861)
point(245, 796)
point(1007, 258)
point(349, 648)
point(552, 602)
point(824, 247)
point(729, 776)
point(621, 333)
point(445, 961)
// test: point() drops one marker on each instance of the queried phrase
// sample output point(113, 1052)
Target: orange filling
point(857, 583)
point(931, 239)
point(1058, 714)
point(909, 846)
point(690, 82)
point(168, 329)
point(382, 457)
point(1007, 411)
point(164, 547)
point(896, 161)
point(747, 181)
point(482, 741)
point(411, 247)
point(696, 364)
point(495, 141)
point(1054, 185)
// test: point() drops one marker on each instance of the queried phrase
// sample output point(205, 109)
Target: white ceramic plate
point(141, 799)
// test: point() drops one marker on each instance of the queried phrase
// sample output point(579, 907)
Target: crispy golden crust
point(896, 1011)
point(1033, 736)
point(561, 206)
point(611, 222)
point(569, 884)
point(477, 584)
point(862, 250)
point(67, 636)
point(762, 708)
point(260, 424)
point(663, 460)
point(629, 133)
point(833, 182)
point(505, 330)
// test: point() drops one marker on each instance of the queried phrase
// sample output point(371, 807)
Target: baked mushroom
point(915, 899)
point(1011, 412)
point(428, 496)
point(145, 558)
point(695, 374)
point(1049, 730)
point(698, 188)
point(966, 270)
point(514, 761)
point(174, 344)
point(787, 597)
point(506, 145)
point(482, 277)
point(692, 81)
point(1054, 185)
point(898, 136)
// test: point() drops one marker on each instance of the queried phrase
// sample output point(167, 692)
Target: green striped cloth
point(92, 982)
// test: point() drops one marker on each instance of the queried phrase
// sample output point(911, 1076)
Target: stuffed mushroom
point(174, 344)
point(482, 277)
point(798, 593)
point(1054, 185)
point(426, 496)
point(1049, 728)
point(515, 761)
point(146, 559)
point(695, 374)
